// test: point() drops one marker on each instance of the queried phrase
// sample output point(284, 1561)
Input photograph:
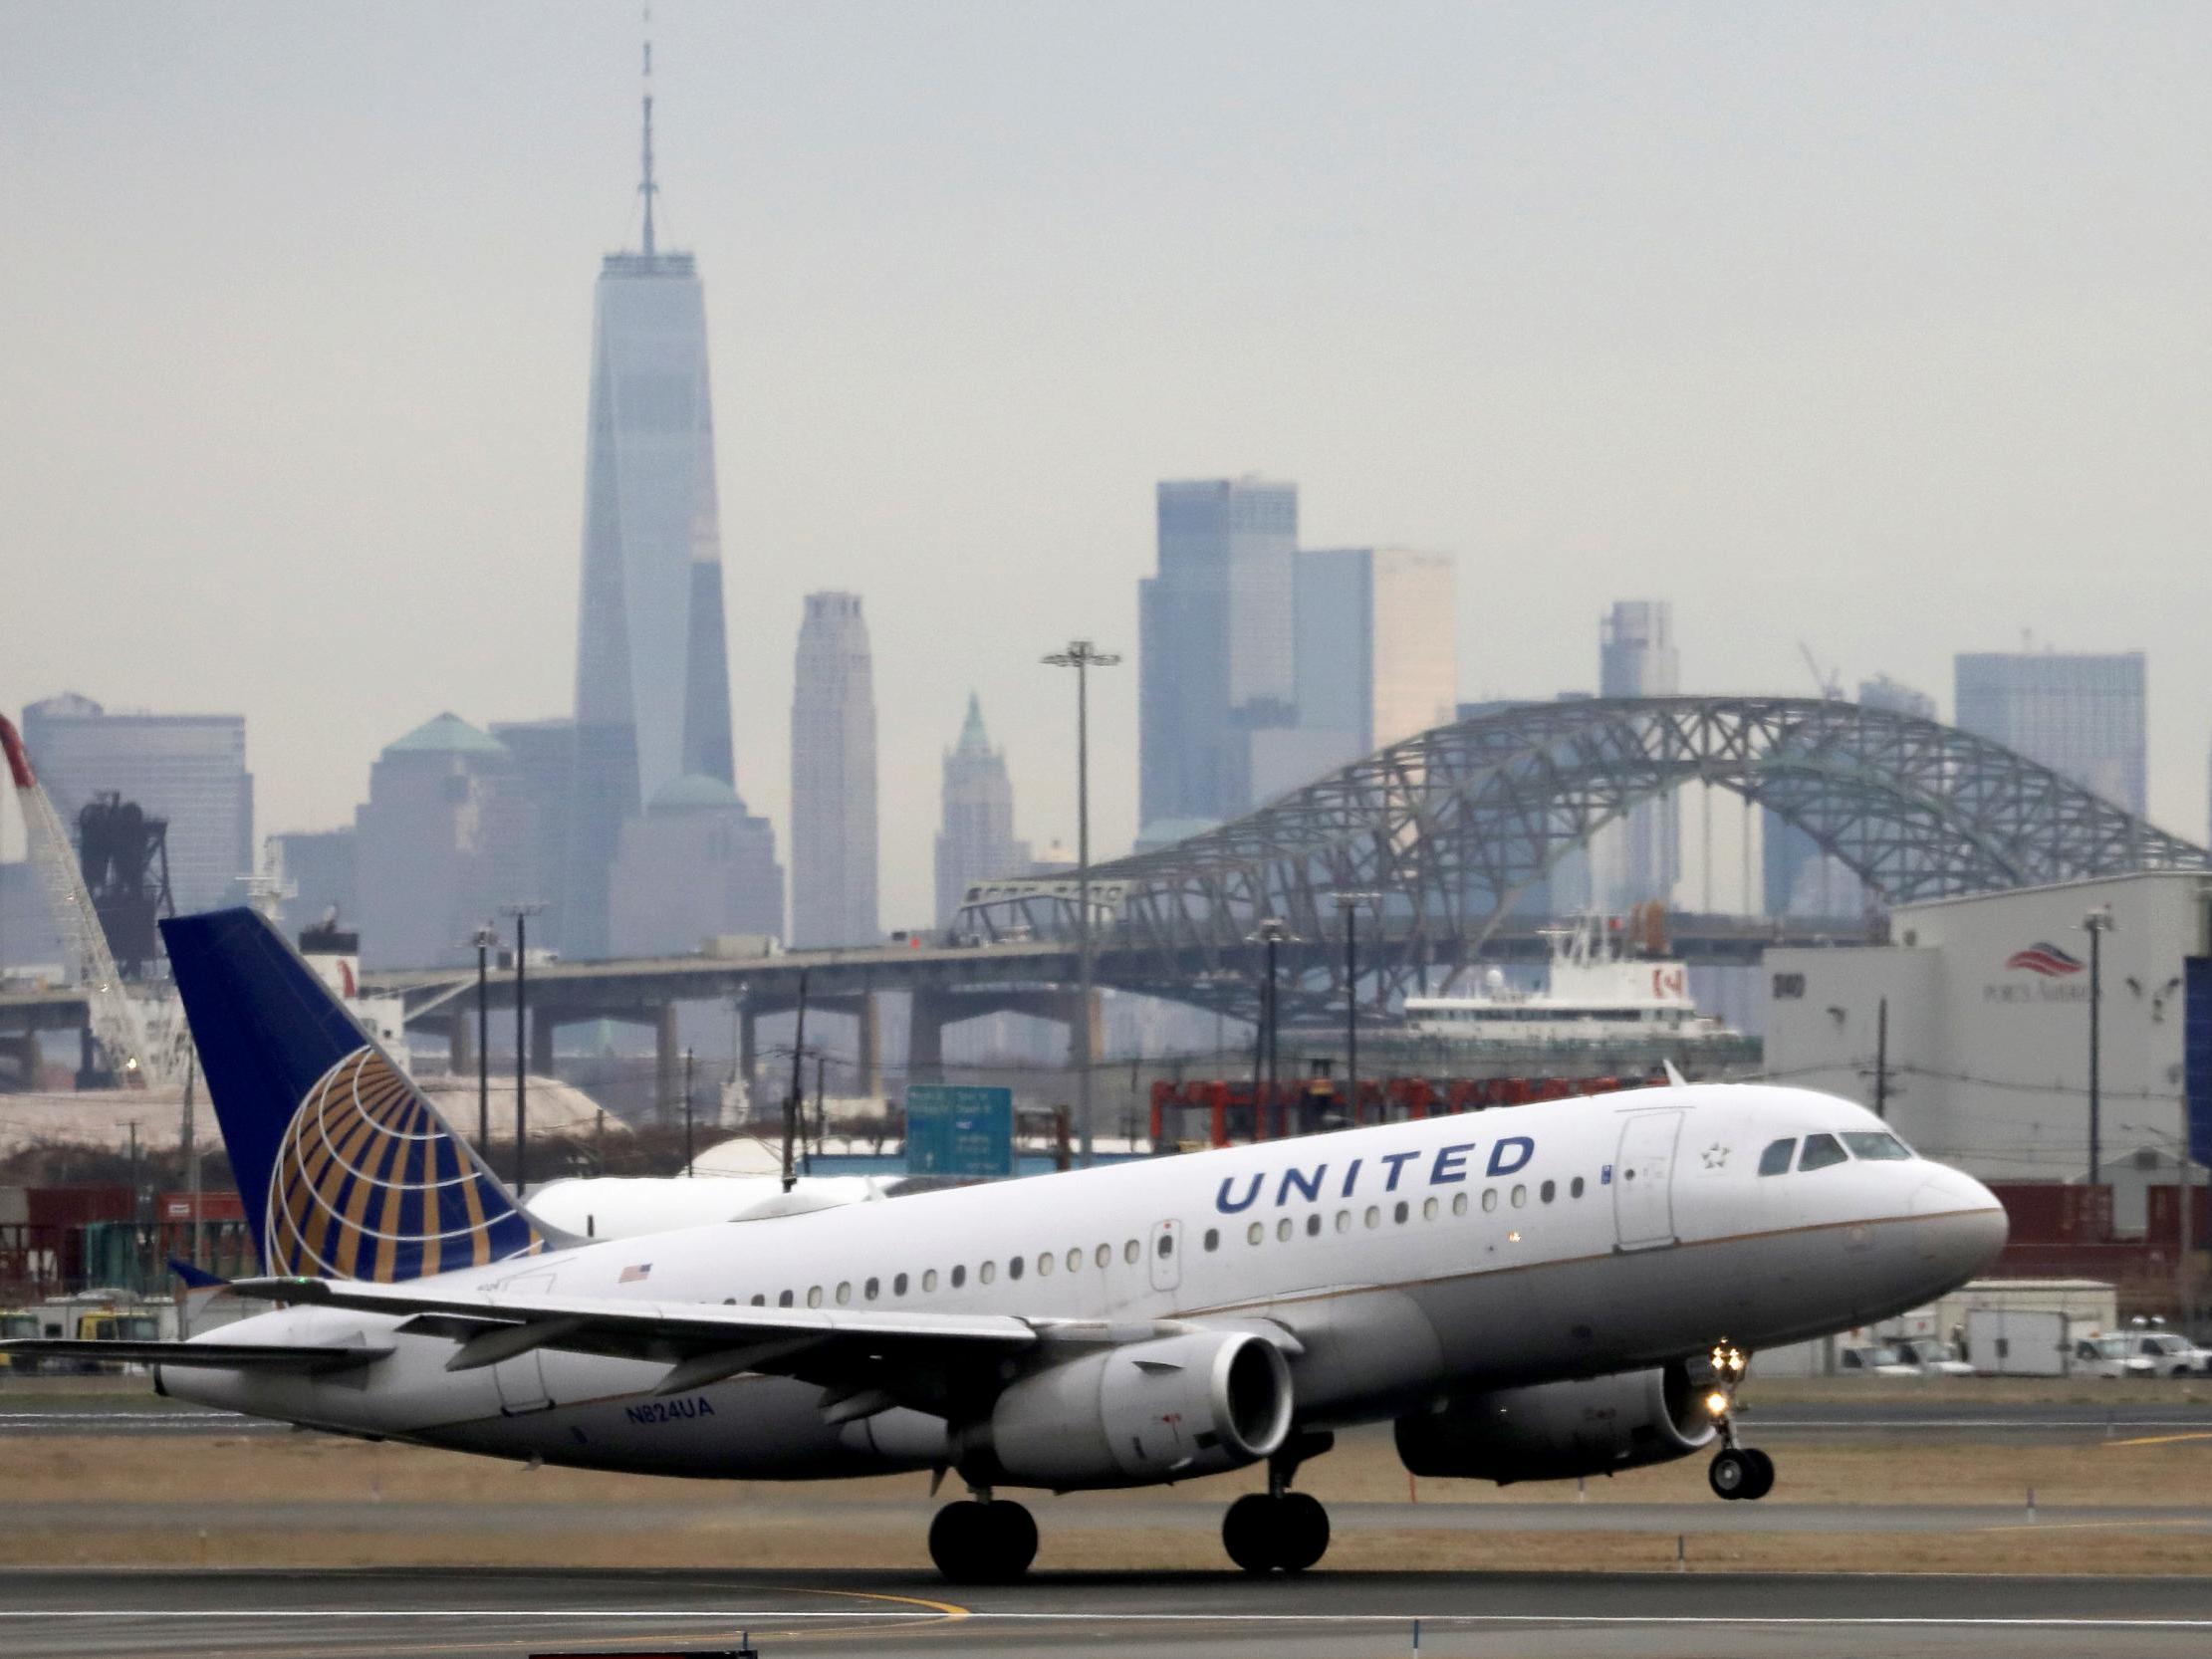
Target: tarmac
point(413, 1614)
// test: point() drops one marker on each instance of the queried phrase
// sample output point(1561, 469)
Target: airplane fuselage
point(1397, 1265)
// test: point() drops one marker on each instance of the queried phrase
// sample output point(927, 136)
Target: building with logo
point(1986, 1002)
point(833, 776)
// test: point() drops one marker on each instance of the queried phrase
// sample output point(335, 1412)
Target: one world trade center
point(653, 685)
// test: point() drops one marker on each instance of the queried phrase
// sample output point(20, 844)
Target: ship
point(1596, 993)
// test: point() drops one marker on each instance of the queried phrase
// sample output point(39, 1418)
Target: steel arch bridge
point(1451, 828)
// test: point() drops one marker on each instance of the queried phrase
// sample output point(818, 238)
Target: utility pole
point(192, 1150)
point(1348, 904)
point(792, 1099)
point(522, 914)
point(821, 1107)
point(486, 937)
point(2097, 922)
point(1882, 1058)
point(688, 1152)
point(1271, 932)
point(1083, 657)
point(137, 1213)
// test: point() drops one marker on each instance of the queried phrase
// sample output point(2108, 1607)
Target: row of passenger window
point(987, 1272)
point(1822, 1151)
point(1401, 1213)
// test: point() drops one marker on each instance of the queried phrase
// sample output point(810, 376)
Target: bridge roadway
point(948, 983)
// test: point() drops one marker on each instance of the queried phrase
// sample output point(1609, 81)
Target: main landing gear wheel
point(983, 1543)
point(1287, 1532)
point(1741, 1472)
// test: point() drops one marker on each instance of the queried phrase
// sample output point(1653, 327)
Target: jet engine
point(1558, 1429)
point(1165, 1409)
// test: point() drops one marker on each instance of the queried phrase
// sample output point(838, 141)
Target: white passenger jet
point(1528, 1293)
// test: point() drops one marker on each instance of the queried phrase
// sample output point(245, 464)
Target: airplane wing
point(226, 1356)
point(867, 1359)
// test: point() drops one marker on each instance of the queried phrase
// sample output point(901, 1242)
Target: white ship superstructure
point(1594, 992)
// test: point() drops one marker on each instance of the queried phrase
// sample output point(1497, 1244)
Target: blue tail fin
point(347, 1168)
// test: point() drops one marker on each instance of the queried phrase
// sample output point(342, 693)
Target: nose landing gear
point(1737, 1471)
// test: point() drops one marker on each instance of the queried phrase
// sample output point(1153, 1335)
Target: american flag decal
point(632, 1275)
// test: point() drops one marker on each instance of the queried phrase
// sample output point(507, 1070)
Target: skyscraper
point(653, 684)
point(1636, 659)
point(442, 842)
point(833, 776)
point(977, 840)
point(189, 769)
point(2078, 713)
point(1215, 646)
point(695, 863)
point(1799, 881)
point(1375, 655)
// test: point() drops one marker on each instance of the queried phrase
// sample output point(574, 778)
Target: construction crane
point(118, 1024)
point(1831, 682)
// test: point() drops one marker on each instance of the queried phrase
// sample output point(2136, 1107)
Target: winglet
point(1674, 1078)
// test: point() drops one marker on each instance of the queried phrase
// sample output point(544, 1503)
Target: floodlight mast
point(1083, 657)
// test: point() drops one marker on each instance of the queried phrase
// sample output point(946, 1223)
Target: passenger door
point(1643, 1180)
point(1165, 1252)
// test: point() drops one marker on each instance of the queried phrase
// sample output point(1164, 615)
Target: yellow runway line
point(2161, 1439)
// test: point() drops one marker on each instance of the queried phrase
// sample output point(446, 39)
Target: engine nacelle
point(1166, 1410)
point(1558, 1429)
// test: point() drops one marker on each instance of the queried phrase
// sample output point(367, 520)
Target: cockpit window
point(1774, 1160)
point(1820, 1151)
point(1878, 1147)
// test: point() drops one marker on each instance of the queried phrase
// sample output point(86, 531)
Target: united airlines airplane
point(1526, 1293)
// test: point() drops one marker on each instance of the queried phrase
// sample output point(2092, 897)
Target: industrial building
point(1972, 1026)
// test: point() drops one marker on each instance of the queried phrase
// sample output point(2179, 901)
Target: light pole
point(1270, 932)
point(2097, 922)
point(522, 914)
point(486, 937)
point(1083, 657)
point(1348, 904)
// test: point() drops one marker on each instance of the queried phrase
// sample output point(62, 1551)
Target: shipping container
point(2017, 1341)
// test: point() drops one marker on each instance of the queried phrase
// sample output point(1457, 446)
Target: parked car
point(2110, 1356)
point(2170, 1354)
point(1875, 1363)
point(1931, 1357)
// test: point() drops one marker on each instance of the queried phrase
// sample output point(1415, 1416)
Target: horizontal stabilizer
point(220, 1356)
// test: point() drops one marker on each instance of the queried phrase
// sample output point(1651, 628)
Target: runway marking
point(2162, 1439)
point(1043, 1616)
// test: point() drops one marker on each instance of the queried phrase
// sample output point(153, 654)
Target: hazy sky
point(1884, 328)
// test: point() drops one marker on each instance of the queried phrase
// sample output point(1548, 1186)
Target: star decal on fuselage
point(1715, 1155)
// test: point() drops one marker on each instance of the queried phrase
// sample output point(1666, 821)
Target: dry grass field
point(353, 1502)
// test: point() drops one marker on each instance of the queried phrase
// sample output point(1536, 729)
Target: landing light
point(1716, 1403)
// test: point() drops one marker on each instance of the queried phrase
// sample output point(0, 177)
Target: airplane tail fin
point(345, 1167)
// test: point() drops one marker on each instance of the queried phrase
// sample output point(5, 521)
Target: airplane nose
point(1965, 1226)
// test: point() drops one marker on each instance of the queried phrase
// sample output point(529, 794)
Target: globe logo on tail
point(370, 1184)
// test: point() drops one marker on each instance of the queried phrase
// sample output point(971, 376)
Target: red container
point(75, 1206)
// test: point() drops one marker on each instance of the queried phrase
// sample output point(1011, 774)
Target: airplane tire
point(983, 1544)
point(1302, 1532)
point(1731, 1474)
point(1249, 1533)
point(1762, 1473)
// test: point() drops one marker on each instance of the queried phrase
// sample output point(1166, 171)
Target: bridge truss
point(1453, 826)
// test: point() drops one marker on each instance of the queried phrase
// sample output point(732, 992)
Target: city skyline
point(374, 429)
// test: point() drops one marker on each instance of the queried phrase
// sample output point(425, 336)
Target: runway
point(48, 1614)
